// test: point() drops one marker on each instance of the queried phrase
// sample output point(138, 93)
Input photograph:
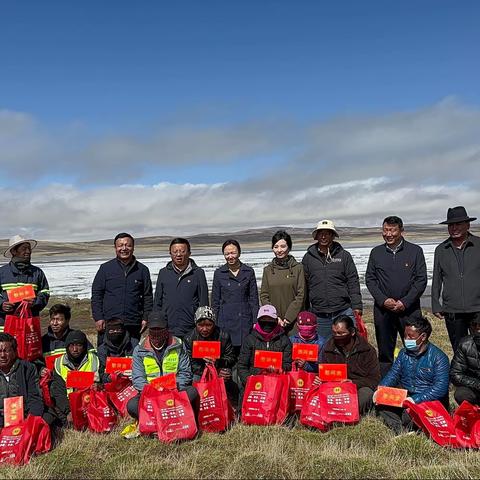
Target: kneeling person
point(159, 354)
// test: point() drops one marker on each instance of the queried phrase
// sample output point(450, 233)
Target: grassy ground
point(367, 450)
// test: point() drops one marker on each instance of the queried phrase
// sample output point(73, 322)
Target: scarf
point(268, 336)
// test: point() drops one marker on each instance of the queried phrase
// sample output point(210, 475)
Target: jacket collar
point(16, 271)
point(469, 241)
point(359, 345)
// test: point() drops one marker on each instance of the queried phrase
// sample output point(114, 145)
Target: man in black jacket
point(396, 277)
point(18, 378)
point(456, 276)
point(122, 288)
point(333, 286)
point(465, 369)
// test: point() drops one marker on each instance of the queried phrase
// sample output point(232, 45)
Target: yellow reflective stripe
point(55, 352)
point(1, 328)
point(9, 286)
point(45, 291)
point(91, 365)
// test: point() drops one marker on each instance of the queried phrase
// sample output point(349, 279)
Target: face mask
point(411, 345)
point(267, 327)
point(116, 337)
point(307, 331)
point(342, 341)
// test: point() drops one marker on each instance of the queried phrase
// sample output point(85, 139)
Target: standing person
point(181, 289)
point(283, 281)
point(396, 277)
point(333, 286)
point(19, 272)
point(456, 276)
point(235, 295)
point(122, 288)
point(363, 369)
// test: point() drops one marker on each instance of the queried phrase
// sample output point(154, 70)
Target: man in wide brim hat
point(325, 225)
point(455, 283)
point(15, 242)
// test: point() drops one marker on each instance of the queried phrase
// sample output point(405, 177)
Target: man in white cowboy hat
point(20, 272)
point(456, 276)
point(333, 286)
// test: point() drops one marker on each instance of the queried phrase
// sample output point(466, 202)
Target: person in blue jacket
point(421, 368)
point(235, 295)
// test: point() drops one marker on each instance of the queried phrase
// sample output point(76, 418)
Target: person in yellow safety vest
point(77, 357)
point(159, 354)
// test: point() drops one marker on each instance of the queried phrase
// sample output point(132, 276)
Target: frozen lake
point(75, 278)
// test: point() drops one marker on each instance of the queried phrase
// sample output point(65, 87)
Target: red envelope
point(50, 360)
point(12, 411)
point(391, 396)
point(76, 379)
point(265, 359)
point(118, 364)
point(202, 349)
point(303, 351)
point(18, 294)
point(167, 382)
point(332, 372)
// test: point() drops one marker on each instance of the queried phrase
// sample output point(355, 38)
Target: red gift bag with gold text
point(338, 402)
point(79, 401)
point(300, 383)
point(147, 423)
point(119, 391)
point(310, 415)
point(465, 421)
point(100, 415)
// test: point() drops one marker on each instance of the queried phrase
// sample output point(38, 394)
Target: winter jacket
point(465, 370)
point(227, 355)
point(332, 285)
point(254, 341)
point(25, 376)
point(459, 289)
point(401, 275)
point(179, 295)
point(108, 349)
point(283, 286)
point(122, 292)
point(235, 301)
point(363, 368)
point(12, 277)
point(320, 341)
point(425, 376)
point(145, 351)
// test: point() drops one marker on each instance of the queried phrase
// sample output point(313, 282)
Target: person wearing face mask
point(465, 368)
point(283, 281)
point(77, 357)
point(20, 272)
point(307, 334)
point(363, 368)
point(117, 343)
point(421, 368)
point(158, 354)
point(267, 334)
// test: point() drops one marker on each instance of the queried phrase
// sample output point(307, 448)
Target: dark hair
point(421, 324)
point(394, 220)
point(7, 338)
point(181, 241)
point(347, 320)
point(282, 235)
point(475, 318)
point(65, 310)
point(233, 242)
point(123, 235)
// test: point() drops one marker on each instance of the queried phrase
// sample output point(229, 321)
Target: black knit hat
point(156, 319)
point(76, 336)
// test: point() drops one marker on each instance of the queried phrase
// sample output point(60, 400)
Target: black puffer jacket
point(465, 369)
point(254, 341)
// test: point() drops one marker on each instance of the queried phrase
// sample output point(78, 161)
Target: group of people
point(316, 301)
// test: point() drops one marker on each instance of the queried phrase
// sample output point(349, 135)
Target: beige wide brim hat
point(325, 225)
point(18, 240)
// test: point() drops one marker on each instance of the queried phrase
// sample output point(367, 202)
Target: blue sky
point(243, 94)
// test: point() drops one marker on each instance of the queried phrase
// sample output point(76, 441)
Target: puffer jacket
point(283, 286)
point(425, 376)
point(144, 349)
point(465, 369)
point(331, 285)
point(254, 341)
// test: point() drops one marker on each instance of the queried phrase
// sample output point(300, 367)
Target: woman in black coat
point(235, 295)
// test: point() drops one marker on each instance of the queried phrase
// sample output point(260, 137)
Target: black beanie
point(76, 336)
point(156, 319)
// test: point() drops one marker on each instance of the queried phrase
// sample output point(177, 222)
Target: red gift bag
point(44, 384)
point(300, 383)
point(266, 399)
point(19, 442)
point(310, 415)
point(147, 423)
point(26, 330)
point(79, 401)
point(174, 416)
point(360, 326)
point(100, 415)
point(435, 421)
point(465, 419)
point(338, 402)
point(216, 413)
point(119, 391)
